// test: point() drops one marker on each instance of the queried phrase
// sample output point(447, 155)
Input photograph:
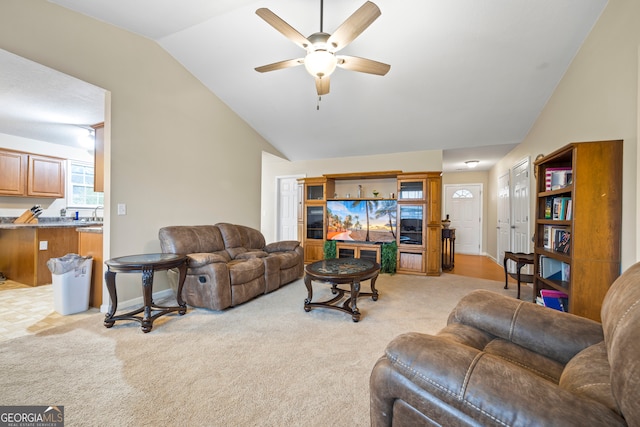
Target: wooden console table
point(521, 259)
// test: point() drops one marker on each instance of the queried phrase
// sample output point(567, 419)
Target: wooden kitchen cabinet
point(90, 244)
point(46, 176)
point(21, 258)
point(31, 175)
point(13, 173)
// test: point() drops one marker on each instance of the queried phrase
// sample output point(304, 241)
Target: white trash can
point(71, 280)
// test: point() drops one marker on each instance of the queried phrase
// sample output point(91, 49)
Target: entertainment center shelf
point(362, 211)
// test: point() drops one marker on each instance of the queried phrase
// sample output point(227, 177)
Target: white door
point(520, 202)
point(287, 215)
point(504, 217)
point(463, 204)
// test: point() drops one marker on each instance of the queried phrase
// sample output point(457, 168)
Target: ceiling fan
point(321, 59)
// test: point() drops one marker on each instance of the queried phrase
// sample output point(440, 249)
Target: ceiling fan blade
point(280, 65)
point(322, 85)
point(354, 25)
point(279, 24)
point(363, 65)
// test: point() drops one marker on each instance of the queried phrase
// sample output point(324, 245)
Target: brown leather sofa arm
point(552, 333)
point(202, 259)
point(282, 246)
point(447, 383)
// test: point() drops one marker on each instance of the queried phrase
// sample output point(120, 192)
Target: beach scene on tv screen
point(361, 220)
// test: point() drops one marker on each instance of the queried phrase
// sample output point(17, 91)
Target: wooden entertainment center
point(417, 227)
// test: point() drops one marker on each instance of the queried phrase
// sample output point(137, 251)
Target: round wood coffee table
point(341, 271)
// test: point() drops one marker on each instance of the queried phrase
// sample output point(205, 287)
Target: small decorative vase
point(446, 222)
point(375, 193)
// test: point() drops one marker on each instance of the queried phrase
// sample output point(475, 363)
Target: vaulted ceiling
point(467, 76)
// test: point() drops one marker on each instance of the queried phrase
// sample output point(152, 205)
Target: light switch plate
point(44, 245)
point(122, 209)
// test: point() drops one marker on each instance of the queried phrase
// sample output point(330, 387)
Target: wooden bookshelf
point(592, 262)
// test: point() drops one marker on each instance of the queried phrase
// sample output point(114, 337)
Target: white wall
point(597, 99)
point(273, 166)
point(178, 155)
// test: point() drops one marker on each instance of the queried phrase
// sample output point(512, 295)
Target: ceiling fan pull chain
point(318, 104)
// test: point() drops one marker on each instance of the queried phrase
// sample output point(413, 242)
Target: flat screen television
point(361, 220)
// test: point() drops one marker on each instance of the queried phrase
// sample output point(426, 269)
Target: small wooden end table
point(521, 259)
point(341, 271)
point(146, 264)
point(448, 248)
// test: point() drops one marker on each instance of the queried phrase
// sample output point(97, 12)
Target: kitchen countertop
point(60, 224)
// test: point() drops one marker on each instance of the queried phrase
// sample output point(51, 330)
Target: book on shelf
point(556, 239)
point(557, 300)
point(559, 210)
point(556, 178)
point(569, 211)
point(548, 208)
point(546, 237)
point(562, 241)
point(553, 269)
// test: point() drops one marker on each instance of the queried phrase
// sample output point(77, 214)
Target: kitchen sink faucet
point(95, 213)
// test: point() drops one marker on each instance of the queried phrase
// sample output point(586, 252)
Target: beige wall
point(597, 99)
point(273, 167)
point(178, 155)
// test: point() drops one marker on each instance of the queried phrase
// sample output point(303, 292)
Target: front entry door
point(463, 204)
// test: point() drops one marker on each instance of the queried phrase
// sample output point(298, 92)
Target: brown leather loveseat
point(504, 362)
point(229, 264)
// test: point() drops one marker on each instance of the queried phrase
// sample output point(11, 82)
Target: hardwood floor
point(478, 266)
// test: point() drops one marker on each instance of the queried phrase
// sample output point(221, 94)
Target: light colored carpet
point(264, 363)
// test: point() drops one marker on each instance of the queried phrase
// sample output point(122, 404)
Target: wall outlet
point(44, 245)
point(122, 209)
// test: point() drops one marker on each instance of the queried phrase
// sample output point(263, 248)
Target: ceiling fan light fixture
point(321, 47)
point(320, 63)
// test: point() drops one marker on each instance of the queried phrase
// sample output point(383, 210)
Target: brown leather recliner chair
point(504, 362)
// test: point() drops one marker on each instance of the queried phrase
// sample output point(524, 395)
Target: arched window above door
point(462, 194)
